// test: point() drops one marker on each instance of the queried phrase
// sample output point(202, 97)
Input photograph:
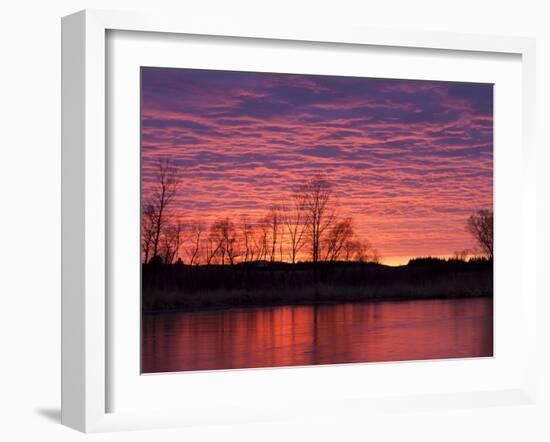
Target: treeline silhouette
point(303, 229)
point(298, 252)
point(180, 286)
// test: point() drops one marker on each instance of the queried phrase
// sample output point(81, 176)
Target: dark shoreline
point(184, 288)
point(307, 304)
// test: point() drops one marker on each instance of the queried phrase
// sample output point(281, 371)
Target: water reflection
point(309, 335)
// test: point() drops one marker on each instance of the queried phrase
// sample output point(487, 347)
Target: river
point(311, 335)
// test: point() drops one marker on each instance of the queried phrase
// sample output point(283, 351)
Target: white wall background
point(30, 217)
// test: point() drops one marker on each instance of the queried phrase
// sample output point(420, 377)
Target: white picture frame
point(85, 308)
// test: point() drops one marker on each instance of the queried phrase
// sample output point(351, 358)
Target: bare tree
point(247, 234)
point(281, 243)
point(164, 192)
point(171, 241)
point(371, 255)
point(273, 223)
point(316, 198)
point(261, 239)
point(295, 220)
point(480, 226)
point(351, 250)
point(339, 234)
point(148, 224)
point(196, 233)
point(360, 251)
point(224, 233)
point(211, 246)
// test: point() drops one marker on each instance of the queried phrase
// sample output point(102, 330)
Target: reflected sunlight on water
point(310, 335)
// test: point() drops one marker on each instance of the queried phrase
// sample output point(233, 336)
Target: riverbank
point(181, 288)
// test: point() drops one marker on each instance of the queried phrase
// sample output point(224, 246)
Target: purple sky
point(408, 160)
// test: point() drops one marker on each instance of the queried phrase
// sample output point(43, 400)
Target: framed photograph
point(268, 222)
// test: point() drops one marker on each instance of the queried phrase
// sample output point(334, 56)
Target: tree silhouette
point(359, 251)
point(148, 225)
point(211, 246)
point(224, 234)
point(262, 238)
point(171, 242)
point(164, 191)
point(247, 233)
point(280, 234)
point(339, 234)
point(196, 231)
point(273, 222)
point(480, 226)
point(295, 220)
point(316, 197)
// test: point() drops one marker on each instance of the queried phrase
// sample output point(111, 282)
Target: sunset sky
point(409, 161)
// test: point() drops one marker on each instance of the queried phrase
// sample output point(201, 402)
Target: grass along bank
point(179, 287)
